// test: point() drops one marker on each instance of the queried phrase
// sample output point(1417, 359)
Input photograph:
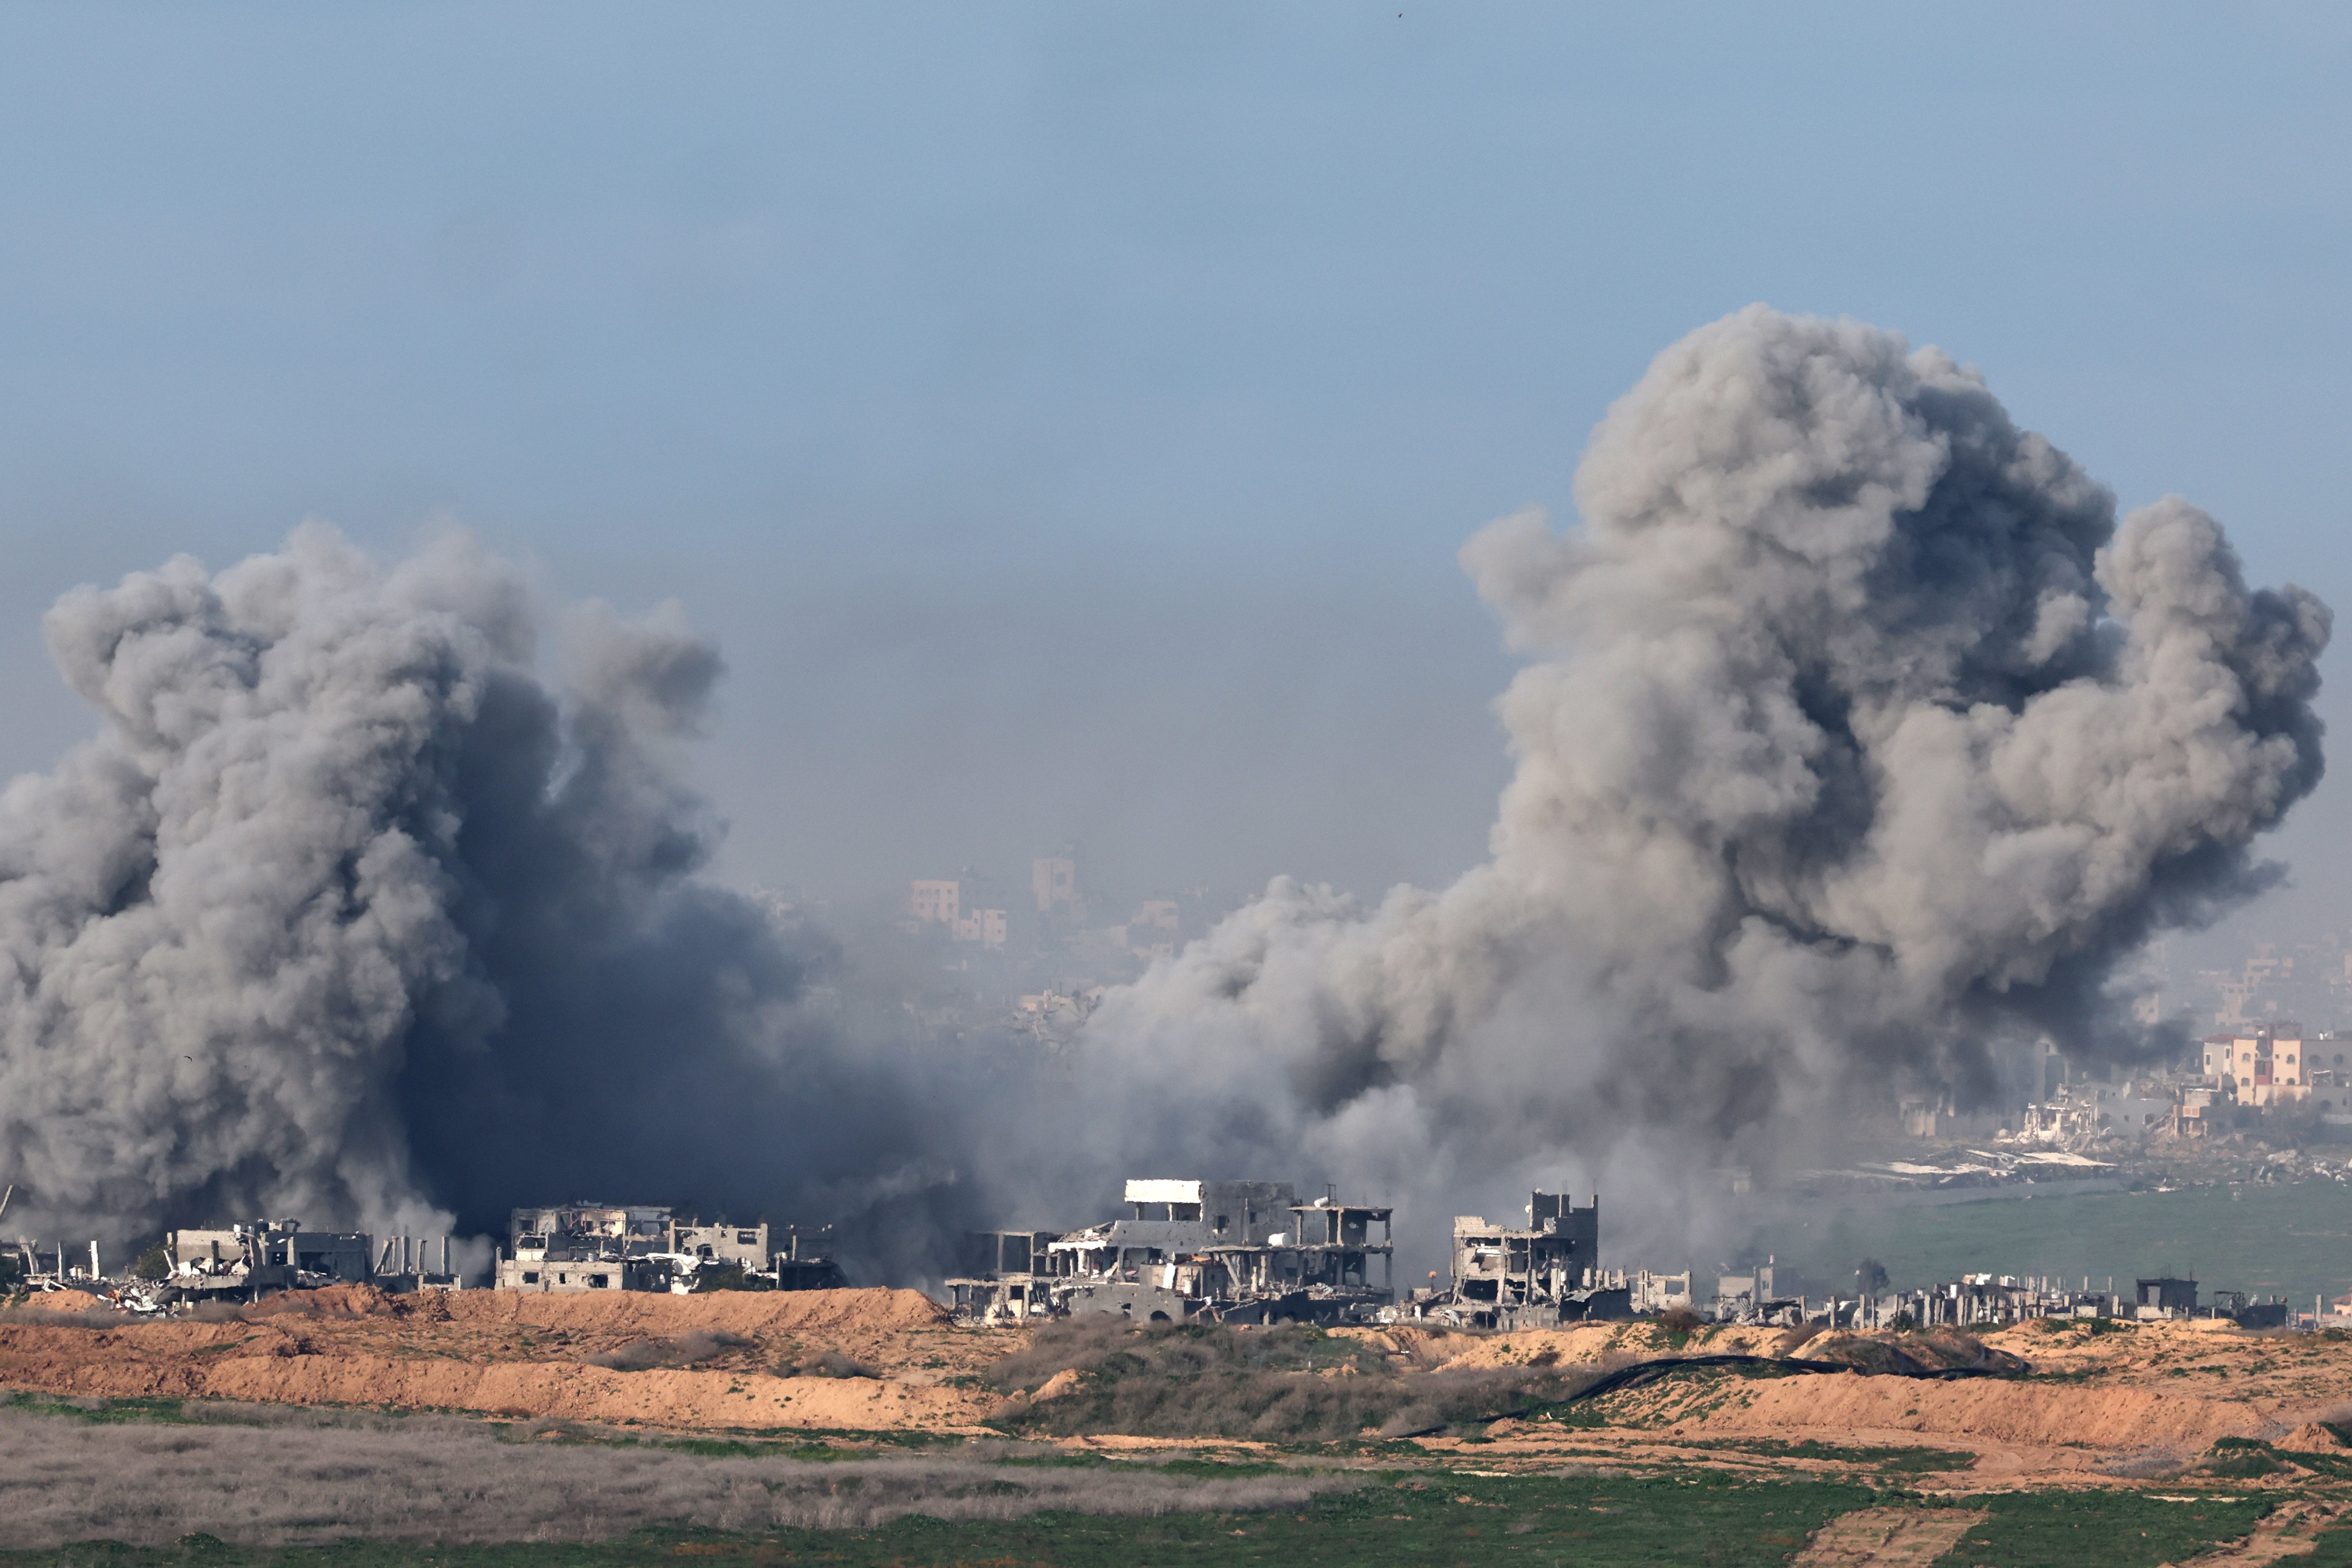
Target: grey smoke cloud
point(347, 914)
point(1856, 738)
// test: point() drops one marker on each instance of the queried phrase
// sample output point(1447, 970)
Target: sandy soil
point(526, 1354)
point(2141, 1394)
point(2150, 1391)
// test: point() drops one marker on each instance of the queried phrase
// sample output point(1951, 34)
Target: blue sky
point(1064, 417)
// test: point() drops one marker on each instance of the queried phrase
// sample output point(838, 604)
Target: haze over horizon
point(1063, 427)
point(1063, 423)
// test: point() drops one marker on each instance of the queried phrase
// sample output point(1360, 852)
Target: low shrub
point(1289, 1383)
point(702, 1345)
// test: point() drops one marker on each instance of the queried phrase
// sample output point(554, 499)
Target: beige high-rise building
point(937, 901)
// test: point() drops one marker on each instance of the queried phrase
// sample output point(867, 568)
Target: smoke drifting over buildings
point(1858, 740)
point(347, 915)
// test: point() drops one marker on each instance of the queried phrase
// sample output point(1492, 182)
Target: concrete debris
point(240, 1263)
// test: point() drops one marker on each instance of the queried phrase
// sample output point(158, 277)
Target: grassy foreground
point(1418, 1518)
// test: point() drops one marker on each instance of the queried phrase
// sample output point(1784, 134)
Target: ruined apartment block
point(250, 1261)
point(1234, 1251)
point(595, 1247)
point(1540, 1276)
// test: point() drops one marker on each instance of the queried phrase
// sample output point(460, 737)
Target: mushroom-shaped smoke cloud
point(1858, 740)
point(346, 915)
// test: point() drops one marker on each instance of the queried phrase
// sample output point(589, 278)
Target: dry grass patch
point(280, 1476)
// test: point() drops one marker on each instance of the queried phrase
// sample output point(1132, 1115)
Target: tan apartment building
point(2269, 1065)
point(936, 901)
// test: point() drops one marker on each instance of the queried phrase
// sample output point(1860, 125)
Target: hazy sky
point(1065, 417)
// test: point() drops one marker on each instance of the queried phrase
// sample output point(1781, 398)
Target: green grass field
point(1417, 1518)
point(2294, 1241)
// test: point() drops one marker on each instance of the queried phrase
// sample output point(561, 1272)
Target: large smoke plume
point(346, 914)
point(1858, 740)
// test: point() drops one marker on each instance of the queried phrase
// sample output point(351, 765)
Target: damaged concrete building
point(807, 1261)
point(1004, 1274)
point(1540, 1277)
point(597, 1247)
point(1234, 1251)
point(587, 1246)
point(250, 1261)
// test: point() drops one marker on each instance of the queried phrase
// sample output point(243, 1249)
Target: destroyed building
point(255, 1260)
point(250, 1261)
point(587, 1246)
point(596, 1246)
point(1003, 1274)
point(1540, 1277)
point(807, 1260)
point(1234, 1251)
point(743, 1246)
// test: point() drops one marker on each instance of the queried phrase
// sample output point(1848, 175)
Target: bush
point(2242, 1460)
point(703, 1344)
point(153, 1264)
point(1290, 1382)
point(1679, 1324)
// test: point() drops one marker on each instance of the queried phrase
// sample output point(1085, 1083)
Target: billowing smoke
point(1857, 741)
point(347, 915)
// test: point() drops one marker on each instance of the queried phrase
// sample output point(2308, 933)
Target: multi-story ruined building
point(1238, 1251)
point(590, 1230)
point(743, 1246)
point(268, 1255)
point(588, 1247)
point(1536, 1277)
point(1004, 1274)
point(592, 1246)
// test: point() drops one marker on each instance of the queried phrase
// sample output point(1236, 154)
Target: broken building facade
point(1543, 1275)
point(1232, 1250)
point(597, 1247)
point(250, 1261)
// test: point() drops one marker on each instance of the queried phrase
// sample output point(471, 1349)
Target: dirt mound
point(2310, 1437)
point(65, 1301)
point(2000, 1409)
point(738, 1311)
point(345, 1300)
point(1913, 1356)
point(874, 1358)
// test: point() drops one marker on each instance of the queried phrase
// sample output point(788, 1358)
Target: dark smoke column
point(347, 915)
point(1858, 738)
